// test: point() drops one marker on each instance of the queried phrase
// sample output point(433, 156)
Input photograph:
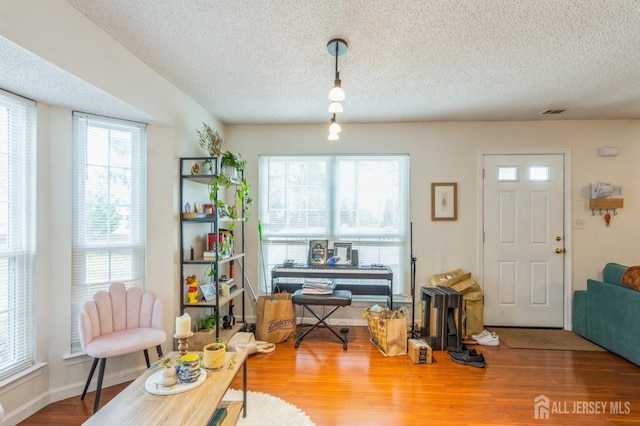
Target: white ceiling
point(254, 61)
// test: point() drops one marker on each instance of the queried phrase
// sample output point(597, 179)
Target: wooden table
point(135, 406)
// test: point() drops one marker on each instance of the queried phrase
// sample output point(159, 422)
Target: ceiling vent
point(552, 111)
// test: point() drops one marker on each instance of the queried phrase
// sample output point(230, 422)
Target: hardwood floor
point(359, 386)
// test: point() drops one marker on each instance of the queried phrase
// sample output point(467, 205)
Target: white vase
point(231, 172)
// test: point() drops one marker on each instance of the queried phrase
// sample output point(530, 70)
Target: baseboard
point(27, 409)
point(67, 391)
point(75, 389)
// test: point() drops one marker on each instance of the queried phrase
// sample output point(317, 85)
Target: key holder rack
point(606, 206)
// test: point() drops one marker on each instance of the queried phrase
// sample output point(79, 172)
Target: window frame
point(392, 249)
point(83, 285)
point(18, 253)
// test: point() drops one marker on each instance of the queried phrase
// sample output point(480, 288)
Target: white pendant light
point(337, 94)
point(336, 47)
point(335, 107)
point(334, 127)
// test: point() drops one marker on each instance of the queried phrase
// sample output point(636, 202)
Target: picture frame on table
point(444, 201)
point(208, 292)
point(342, 251)
point(318, 250)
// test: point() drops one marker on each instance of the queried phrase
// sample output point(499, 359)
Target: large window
point(17, 233)
point(361, 199)
point(108, 208)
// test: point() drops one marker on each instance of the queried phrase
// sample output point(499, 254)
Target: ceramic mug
point(214, 356)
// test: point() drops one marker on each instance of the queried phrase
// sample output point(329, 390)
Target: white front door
point(523, 266)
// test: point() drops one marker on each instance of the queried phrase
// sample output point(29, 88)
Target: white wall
point(439, 152)
point(449, 152)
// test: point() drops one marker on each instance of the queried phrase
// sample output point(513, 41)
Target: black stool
point(337, 299)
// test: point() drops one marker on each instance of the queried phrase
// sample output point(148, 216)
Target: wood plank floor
point(359, 386)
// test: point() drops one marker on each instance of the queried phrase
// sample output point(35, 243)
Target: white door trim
point(568, 283)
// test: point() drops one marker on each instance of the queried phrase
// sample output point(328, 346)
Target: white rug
point(266, 410)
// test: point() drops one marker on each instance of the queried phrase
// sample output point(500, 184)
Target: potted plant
point(205, 332)
point(211, 141)
point(207, 322)
point(214, 356)
point(230, 164)
point(169, 375)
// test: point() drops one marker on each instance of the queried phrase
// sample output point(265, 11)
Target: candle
point(183, 325)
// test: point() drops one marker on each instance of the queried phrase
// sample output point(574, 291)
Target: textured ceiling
point(252, 61)
point(30, 76)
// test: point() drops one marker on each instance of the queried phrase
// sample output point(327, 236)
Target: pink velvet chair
point(119, 322)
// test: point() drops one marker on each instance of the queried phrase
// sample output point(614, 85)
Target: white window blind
point(17, 233)
point(108, 208)
point(361, 199)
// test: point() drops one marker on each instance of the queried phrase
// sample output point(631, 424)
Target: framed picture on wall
point(444, 201)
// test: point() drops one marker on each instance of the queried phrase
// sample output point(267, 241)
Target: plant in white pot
point(169, 374)
point(230, 164)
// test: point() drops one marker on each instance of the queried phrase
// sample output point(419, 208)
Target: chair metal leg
point(146, 357)
point(159, 350)
point(96, 404)
point(93, 369)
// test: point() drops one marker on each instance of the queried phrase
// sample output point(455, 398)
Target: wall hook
point(615, 213)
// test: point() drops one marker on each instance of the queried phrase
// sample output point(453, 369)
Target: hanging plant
point(230, 159)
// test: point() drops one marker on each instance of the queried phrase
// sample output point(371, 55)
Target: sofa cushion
point(580, 312)
point(612, 273)
point(631, 277)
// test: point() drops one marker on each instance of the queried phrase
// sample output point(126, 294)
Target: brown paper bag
point(388, 330)
point(276, 320)
point(472, 306)
point(448, 279)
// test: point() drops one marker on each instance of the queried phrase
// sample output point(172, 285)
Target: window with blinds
point(108, 208)
point(361, 199)
point(17, 233)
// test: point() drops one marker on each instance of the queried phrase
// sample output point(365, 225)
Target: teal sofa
point(607, 313)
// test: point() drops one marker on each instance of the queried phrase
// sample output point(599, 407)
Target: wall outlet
point(578, 223)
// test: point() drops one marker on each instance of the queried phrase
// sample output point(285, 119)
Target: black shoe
point(459, 349)
point(468, 357)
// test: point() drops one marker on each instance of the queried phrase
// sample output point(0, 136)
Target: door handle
point(560, 250)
